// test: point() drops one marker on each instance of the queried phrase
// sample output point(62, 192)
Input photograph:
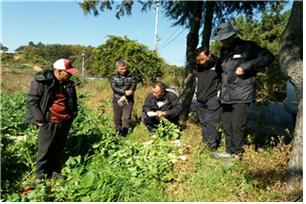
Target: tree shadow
point(267, 123)
point(81, 144)
point(267, 178)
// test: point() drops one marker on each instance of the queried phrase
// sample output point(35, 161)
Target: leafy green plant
point(18, 141)
point(91, 131)
point(12, 110)
point(143, 63)
point(167, 130)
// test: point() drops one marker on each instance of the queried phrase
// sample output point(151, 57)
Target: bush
point(143, 63)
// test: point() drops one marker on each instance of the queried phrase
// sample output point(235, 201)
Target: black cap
point(225, 30)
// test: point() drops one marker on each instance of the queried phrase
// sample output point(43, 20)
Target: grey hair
point(121, 62)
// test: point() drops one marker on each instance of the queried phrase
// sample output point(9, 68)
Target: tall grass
point(260, 175)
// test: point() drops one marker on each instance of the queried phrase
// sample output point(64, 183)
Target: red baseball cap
point(64, 64)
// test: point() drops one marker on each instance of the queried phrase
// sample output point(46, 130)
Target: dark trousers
point(209, 114)
point(51, 141)
point(234, 124)
point(152, 122)
point(122, 117)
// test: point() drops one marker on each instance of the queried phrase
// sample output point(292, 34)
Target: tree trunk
point(192, 43)
point(209, 13)
point(291, 60)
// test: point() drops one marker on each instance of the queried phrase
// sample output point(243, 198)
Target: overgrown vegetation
point(43, 55)
point(101, 166)
point(169, 165)
point(143, 63)
point(100, 161)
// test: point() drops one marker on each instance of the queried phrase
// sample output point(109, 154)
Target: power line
point(172, 39)
point(170, 36)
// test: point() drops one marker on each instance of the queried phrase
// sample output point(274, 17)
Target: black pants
point(209, 114)
point(234, 124)
point(152, 122)
point(51, 141)
point(123, 117)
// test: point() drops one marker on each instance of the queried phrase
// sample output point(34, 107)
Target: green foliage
point(90, 131)
point(150, 161)
point(18, 141)
point(3, 48)
point(89, 6)
point(6, 58)
point(12, 110)
point(105, 167)
point(102, 182)
point(101, 166)
point(167, 130)
point(44, 55)
point(143, 63)
point(173, 75)
point(226, 182)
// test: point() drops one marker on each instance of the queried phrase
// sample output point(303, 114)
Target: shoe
point(215, 154)
point(123, 132)
point(212, 148)
point(58, 176)
point(219, 155)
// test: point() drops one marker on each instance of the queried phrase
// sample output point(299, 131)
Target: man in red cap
point(52, 106)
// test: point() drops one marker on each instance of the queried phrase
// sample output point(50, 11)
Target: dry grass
point(100, 92)
point(192, 142)
point(264, 171)
point(260, 175)
point(16, 80)
point(268, 169)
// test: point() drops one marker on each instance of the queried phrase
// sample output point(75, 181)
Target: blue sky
point(64, 22)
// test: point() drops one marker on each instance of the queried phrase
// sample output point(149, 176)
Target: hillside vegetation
point(102, 166)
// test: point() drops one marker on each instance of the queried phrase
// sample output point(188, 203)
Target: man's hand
point(128, 92)
point(40, 124)
point(160, 113)
point(239, 72)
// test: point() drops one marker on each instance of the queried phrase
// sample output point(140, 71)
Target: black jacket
point(120, 84)
point(172, 106)
point(251, 58)
point(42, 93)
point(208, 81)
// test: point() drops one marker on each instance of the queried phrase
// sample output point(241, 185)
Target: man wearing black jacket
point(123, 85)
point(52, 106)
point(208, 106)
point(160, 103)
point(240, 61)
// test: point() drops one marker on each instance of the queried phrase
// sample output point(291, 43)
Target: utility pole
point(83, 62)
point(156, 25)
